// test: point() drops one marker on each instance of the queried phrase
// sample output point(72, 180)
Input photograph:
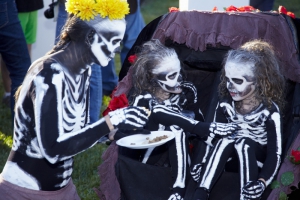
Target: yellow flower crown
point(88, 9)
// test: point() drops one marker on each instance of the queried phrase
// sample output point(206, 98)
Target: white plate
point(140, 141)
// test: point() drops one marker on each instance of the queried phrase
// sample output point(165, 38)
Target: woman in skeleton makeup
point(158, 86)
point(51, 113)
point(251, 90)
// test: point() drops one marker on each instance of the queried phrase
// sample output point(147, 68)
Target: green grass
point(85, 174)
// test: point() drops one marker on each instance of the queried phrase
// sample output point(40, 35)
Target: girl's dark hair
point(149, 56)
point(270, 82)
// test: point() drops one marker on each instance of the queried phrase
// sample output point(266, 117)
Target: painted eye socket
point(172, 76)
point(114, 42)
point(238, 81)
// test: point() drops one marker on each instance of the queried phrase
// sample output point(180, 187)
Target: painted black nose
point(117, 50)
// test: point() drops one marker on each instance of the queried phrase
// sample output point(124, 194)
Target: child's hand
point(189, 90)
point(254, 189)
point(223, 129)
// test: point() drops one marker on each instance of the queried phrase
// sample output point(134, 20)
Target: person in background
point(263, 5)
point(6, 83)
point(52, 120)
point(13, 50)
point(134, 24)
point(27, 14)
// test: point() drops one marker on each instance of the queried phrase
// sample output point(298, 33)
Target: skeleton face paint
point(240, 80)
point(168, 74)
point(107, 39)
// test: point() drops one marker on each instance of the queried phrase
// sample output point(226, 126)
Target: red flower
point(295, 157)
point(246, 9)
point(231, 8)
point(215, 9)
point(173, 9)
point(292, 15)
point(240, 9)
point(132, 59)
point(116, 103)
point(282, 9)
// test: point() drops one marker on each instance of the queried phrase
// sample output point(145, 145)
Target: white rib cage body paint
point(253, 124)
point(72, 105)
point(71, 111)
point(254, 128)
point(71, 120)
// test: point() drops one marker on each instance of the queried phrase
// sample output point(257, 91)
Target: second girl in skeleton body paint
point(252, 96)
point(51, 113)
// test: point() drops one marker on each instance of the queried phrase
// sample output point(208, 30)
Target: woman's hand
point(128, 118)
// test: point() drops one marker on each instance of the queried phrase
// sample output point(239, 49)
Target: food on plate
point(157, 139)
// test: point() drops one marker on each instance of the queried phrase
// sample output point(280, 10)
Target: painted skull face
point(107, 39)
point(168, 74)
point(240, 80)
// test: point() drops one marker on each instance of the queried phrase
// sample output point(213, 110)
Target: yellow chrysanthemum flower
point(100, 8)
point(88, 9)
point(106, 100)
point(71, 7)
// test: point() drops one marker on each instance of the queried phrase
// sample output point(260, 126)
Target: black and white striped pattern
point(261, 129)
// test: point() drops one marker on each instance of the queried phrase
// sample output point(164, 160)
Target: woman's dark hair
point(75, 30)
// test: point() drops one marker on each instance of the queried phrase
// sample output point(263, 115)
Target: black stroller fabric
point(140, 181)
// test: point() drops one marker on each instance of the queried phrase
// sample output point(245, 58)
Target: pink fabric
point(10, 191)
point(109, 188)
point(197, 29)
point(287, 166)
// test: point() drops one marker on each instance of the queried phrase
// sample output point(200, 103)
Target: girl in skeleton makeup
point(51, 113)
point(251, 90)
point(157, 85)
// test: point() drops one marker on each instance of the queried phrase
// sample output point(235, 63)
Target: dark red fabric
point(109, 188)
point(197, 29)
point(10, 191)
